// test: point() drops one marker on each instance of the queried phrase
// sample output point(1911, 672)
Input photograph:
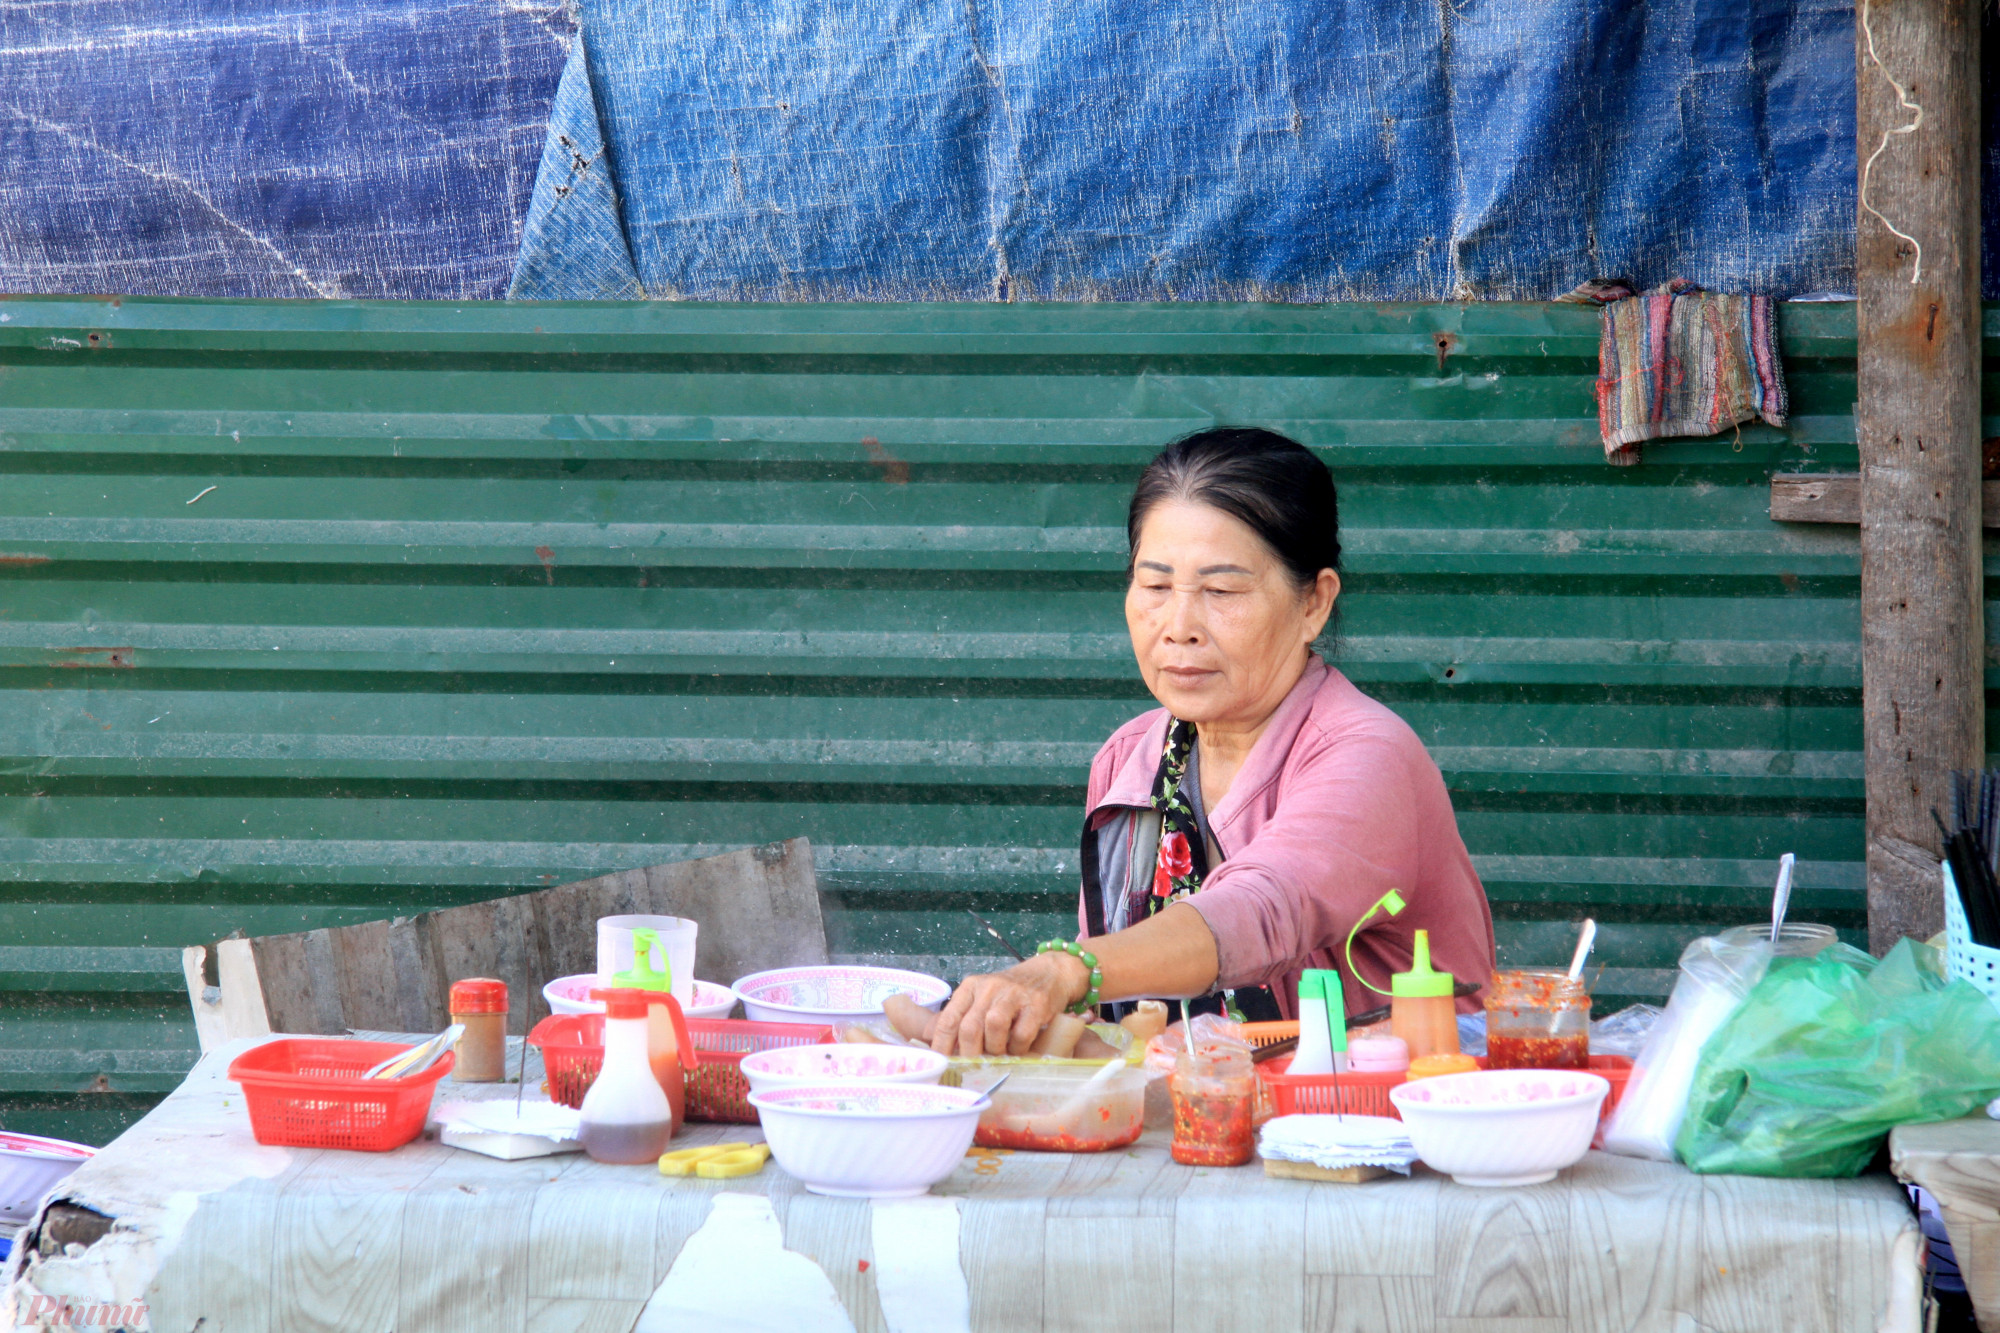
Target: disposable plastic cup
point(677, 934)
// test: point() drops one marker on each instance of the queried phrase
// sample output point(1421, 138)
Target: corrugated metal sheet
point(317, 612)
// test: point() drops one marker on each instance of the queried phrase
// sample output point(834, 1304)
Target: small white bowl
point(1502, 1126)
point(795, 1066)
point(869, 1140)
point(31, 1166)
point(571, 995)
point(832, 994)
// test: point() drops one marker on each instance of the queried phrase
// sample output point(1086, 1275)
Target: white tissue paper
point(1335, 1141)
point(492, 1128)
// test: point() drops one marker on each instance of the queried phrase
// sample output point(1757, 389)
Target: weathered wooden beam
point(1916, 262)
point(1835, 497)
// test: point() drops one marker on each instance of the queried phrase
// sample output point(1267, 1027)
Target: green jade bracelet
point(1088, 1004)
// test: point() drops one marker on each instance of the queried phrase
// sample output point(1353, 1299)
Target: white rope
point(1902, 99)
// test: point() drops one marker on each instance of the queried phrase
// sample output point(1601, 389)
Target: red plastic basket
point(572, 1048)
point(1368, 1094)
point(307, 1092)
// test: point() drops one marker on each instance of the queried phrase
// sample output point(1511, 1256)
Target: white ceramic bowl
point(795, 1066)
point(571, 995)
point(1502, 1126)
point(833, 994)
point(869, 1140)
point(31, 1166)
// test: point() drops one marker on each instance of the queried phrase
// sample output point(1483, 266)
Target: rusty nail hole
point(1930, 329)
point(1449, 672)
point(95, 339)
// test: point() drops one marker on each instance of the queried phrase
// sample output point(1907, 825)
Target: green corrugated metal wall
point(317, 612)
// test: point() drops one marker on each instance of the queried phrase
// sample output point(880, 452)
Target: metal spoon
point(1781, 897)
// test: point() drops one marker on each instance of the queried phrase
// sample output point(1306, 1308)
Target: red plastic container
point(307, 1092)
point(1368, 1094)
point(572, 1048)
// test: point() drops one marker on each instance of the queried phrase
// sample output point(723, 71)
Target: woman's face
point(1220, 629)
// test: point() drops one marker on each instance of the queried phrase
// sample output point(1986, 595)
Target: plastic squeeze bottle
point(666, 1025)
point(1318, 1049)
point(626, 1116)
point(1421, 1009)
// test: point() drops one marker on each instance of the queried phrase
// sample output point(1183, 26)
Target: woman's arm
point(999, 1013)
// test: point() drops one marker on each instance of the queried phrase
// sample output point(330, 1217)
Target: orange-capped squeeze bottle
point(627, 1115)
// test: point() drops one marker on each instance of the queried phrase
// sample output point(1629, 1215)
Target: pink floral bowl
point(1501, 1126)
point(832, 994)
point(791, 1066)
point(571, 995)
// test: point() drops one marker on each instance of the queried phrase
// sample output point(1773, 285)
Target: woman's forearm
point(1171, 954)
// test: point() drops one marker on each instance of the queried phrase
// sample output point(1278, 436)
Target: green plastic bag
point(1828, 1054)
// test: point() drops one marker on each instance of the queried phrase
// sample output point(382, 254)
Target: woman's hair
point(1272, 483)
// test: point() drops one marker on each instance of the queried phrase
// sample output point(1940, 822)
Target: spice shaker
point(1421, 1008)
point(480, 1003)
point(1212, 1090)
point(1537, 1018)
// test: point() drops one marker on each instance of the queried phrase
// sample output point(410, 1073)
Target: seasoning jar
point(1421, 1008)
point(1537, 1018)
point(1212, 1090)
point(480, 1003)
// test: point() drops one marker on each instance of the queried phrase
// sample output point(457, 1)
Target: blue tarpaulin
point(926, 149)
point(249, 148)
point(1195, 149)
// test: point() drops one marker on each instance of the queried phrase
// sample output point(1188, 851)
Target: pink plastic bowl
point(791, 1066)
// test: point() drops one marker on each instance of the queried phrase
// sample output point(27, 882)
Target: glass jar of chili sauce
point(1537, 1018)
point(1213, 1090)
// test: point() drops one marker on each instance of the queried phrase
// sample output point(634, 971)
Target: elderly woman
point(1236, 835)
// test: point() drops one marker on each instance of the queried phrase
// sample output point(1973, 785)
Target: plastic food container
point(1796, 939)
point(1214, 1094)
point(571, 995)
point(31, 1166)
point(307, 1092)
point(869, 1140)
point(1502, 1126)
point(572, 1047)
point(795, 1066)
point(1042, 1110)
point(1537, 1018)
point(835, 993)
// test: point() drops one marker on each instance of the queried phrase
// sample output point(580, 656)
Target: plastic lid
point(1431, 1066)
point(1320, 983)
point(1421, 982)
point(641, 976)
point(1380, 1052)
point(478, 995)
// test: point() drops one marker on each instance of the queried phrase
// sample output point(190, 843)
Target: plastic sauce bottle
point(666, 1025)
point(1319, 995)
point(480, 1004)
point(1421, 1009)
point(627, 1115)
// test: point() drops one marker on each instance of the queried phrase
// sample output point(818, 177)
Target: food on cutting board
point(1067, 1037)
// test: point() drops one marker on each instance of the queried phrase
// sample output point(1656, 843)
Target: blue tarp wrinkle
point(1204, 149)
point(271, 148)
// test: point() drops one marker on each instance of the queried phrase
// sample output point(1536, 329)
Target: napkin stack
point(1336, 1141)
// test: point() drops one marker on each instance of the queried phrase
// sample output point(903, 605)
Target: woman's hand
point(1001, 1013)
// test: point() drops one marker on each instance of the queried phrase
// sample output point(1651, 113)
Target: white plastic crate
point(1964, 960)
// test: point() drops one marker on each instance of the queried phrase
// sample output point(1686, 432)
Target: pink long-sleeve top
point(1337, 803)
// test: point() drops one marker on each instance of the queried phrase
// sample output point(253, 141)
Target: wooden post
point(1916, 262)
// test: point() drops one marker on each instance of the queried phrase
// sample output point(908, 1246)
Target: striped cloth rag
point(1681, 361)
